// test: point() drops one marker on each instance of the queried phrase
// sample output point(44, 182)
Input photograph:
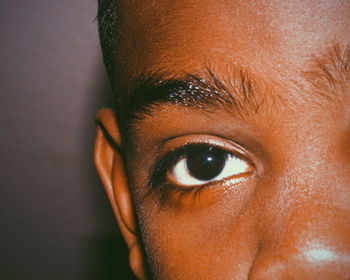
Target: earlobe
point(111, 168)
point(136, 261)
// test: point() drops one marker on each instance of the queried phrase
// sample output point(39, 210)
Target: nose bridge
point(306, 224)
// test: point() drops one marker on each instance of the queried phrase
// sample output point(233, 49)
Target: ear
point(110, 165)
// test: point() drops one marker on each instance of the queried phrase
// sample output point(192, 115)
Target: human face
point(238, 137)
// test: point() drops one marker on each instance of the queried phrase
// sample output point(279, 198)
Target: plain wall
point(55, 219)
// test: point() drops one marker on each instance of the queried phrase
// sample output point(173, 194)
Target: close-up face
point(231, 141)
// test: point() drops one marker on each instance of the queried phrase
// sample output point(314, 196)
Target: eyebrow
point(206, 93)
point(329, 73)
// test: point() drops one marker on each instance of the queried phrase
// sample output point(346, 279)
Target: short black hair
point(106, 17)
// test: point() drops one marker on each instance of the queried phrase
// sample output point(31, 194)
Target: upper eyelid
point(206, 139)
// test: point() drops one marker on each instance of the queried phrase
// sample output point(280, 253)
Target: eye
point(202, 164)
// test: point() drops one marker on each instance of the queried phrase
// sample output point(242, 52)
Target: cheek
point(201, 242)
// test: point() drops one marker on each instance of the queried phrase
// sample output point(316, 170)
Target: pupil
point(205, 163)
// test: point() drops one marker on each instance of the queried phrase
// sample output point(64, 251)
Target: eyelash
point(158, 183)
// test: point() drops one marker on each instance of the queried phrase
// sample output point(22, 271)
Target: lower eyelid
point(170, 195)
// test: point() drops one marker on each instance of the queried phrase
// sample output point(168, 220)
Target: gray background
point(54, 216)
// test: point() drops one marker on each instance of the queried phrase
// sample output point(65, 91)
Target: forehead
point(267, 37)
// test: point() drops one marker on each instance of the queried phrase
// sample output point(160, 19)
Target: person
point(227, 155)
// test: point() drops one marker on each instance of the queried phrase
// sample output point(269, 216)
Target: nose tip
point(314, 261)
point(320, 254)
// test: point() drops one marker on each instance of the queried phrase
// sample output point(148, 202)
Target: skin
point(289, 218)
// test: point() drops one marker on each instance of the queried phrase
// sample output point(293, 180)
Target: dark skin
point(276, 117)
